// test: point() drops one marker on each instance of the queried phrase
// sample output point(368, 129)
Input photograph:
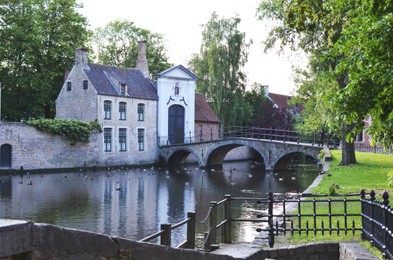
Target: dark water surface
point(132, 203)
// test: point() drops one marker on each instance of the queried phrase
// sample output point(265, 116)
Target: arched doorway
point(176, 124)
point(5, 155)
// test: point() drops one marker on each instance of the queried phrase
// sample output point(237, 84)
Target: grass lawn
point(370, 173)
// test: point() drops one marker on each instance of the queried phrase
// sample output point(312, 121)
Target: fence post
point(362, 198)
point(191, 230)
point(166, 236)
point(372, 198)
point(385, 197)
point(213, 223)
point(270, 220)
point(227, 236)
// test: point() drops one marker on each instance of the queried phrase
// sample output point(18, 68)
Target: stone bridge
point(276, 155)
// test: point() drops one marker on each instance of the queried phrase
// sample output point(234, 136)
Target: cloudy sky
point(179, 21)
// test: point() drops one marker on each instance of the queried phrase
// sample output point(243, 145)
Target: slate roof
point(138, 86)
point(203, 112)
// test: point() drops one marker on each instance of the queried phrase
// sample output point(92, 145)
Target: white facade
point(176, 86)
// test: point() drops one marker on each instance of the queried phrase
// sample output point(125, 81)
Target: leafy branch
point(74, 130)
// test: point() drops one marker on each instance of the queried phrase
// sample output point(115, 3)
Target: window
point(68, 86)
point(123, 89)
point(122, 110)
point(177, 88)
point(107, 109)
point(141, 139)
point(141, 112)
point(122, 139)
point(85, 84)
point(107, 139)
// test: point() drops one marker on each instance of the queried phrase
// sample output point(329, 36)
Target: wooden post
point(166, 236)
point(213, 223)
point(227, 230)
point(191, 230)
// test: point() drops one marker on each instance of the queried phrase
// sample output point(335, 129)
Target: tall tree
point(117, 45)
point(316, 26)
point(223, 54)
point(38, 40)
point(366, 52)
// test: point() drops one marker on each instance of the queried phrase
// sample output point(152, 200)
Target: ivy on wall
point(74, 130)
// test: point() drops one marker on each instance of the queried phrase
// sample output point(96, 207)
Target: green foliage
point(316, 27)
point(38, 41)
point(333, 189)
point(117, 45)
point(223, 54)
point(76, 131)
point(390, 179)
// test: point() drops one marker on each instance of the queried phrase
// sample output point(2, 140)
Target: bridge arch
point(216, 154)
point(285, 159)
point(180, 154)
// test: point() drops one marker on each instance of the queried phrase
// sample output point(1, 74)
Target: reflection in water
point(132, 203)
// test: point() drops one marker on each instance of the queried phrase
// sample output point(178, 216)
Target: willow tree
point(316, 27)
point(116, 44)
point(223, 54)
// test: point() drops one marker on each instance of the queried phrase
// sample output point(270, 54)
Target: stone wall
point(33, 149)
point(28, 240)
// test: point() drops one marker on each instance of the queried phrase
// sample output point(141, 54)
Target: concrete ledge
point(15, 237)
point(328, 155)
point(355, 251)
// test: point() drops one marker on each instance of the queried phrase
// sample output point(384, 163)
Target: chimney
point(266, 90)
point(81, 57)
point(141, 61)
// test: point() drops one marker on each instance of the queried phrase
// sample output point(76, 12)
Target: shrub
point(74, 130)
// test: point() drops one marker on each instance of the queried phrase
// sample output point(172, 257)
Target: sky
point(180, 21)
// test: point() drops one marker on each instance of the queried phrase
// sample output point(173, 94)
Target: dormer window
point(123, 89)
point(177, 89)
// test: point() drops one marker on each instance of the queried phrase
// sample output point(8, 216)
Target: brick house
point(124, 101)
point(207, 124)
point(136, 115)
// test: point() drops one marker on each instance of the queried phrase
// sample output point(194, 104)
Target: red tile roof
point(280, 100)
point(203, 112)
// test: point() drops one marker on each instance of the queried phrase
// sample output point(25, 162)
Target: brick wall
point(33, 149)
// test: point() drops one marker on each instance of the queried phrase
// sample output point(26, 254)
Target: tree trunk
point(348, 148)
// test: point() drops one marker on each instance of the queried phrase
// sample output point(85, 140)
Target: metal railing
point(328, 216)
point(165, 233)
point(377, 222)
point(283, 135)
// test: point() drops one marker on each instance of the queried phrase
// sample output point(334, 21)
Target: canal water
point(132, 203)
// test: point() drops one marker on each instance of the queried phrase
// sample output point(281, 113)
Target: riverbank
point(370, 173)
